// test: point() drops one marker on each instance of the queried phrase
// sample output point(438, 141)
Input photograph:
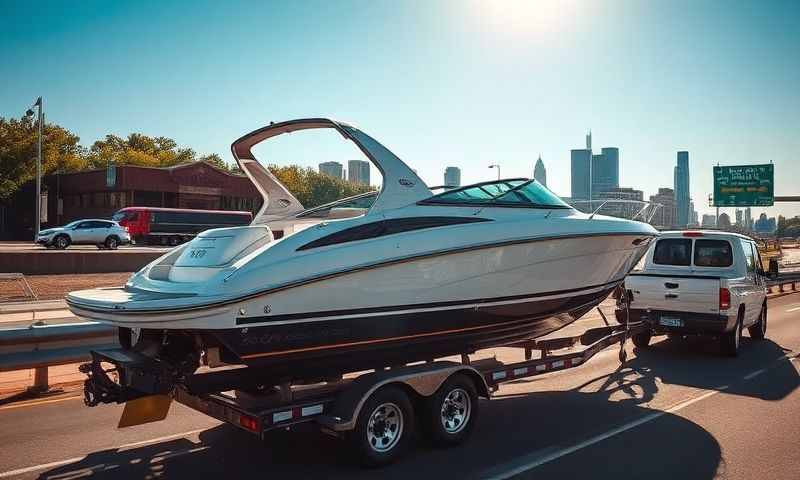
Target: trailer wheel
point(384, 427)
point(451, 412)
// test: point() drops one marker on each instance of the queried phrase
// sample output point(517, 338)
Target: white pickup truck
point(699, 283)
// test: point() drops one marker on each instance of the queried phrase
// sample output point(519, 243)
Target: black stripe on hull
point(331, 347)
point(391, 308)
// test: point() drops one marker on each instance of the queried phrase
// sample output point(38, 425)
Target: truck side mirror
point(773, 268)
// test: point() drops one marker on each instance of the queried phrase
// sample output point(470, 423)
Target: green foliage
point(138, 149)
point(18, 140)
point(312, 188)
point(62, 152)
point(215, 160)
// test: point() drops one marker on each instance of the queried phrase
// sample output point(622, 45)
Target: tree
point(215, 160)
point(312, 188)
point(18, 138)
point(138, 149)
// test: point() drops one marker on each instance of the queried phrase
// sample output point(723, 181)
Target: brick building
point(100, 193)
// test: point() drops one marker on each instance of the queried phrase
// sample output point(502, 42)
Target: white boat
point(410, 277)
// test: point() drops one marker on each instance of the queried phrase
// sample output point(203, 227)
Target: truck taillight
point(724, 299)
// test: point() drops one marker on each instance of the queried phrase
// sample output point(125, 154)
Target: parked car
point(705, 283)
point(103, 233)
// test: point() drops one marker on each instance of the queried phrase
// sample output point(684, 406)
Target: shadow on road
point(511, 429)
point(675, 361)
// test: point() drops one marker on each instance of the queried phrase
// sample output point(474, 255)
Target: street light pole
point(39, 103)
point(38, 223)
point(498, 169)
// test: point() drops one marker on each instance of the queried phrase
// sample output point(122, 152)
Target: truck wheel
point(729, 342)
point(112, 242)
point(642, 340)
point(384, 427)
point(450, 414)
point(759, 329)
point(61, 242)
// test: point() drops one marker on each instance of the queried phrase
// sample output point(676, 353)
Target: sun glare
point(525, 17)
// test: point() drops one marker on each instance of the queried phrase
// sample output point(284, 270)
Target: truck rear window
point(712, 253)
point(673, 251)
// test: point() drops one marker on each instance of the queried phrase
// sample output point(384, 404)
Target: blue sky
point(463, 83)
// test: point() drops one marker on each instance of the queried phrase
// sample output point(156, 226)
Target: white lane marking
point(541, 460)
point(793, 310)
point(44, 466)
point(755, 374)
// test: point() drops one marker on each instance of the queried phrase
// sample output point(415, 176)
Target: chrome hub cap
point(456, 410)
point(385, 427)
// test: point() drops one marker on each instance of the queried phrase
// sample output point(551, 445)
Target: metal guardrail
point(43, 346)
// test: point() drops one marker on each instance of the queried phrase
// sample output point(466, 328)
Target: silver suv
point(103, 233)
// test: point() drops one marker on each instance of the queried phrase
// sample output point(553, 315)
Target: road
point(676, 410)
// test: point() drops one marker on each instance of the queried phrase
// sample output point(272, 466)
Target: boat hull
point(363, 341)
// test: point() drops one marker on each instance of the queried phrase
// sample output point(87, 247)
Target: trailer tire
point(384, 428)
point(642, 340)
point(450, 414)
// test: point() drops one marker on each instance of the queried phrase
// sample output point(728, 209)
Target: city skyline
point(725, 80)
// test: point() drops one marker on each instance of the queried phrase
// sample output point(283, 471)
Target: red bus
point(172, 226)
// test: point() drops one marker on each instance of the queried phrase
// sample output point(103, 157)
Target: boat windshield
point(515, 192)
point(351, 206)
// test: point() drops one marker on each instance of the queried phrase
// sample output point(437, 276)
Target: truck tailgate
point(699, 294)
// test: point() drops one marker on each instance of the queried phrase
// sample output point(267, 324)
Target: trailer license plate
point(670, 321)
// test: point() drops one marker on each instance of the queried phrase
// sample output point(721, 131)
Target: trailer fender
point(423, 380)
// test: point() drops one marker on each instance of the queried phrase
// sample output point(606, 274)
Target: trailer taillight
point(249, 423)
point(724, 299)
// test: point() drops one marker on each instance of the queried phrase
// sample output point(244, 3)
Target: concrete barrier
point(43, 262)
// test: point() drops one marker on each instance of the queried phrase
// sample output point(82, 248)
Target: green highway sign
point(744, 186)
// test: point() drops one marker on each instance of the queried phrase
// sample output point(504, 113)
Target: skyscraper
point(748, 218)
point(682, 196)
point(739, 217)
point(605, 170)
point(579, 173)
point(539, 172)
point(358, 172)
point(452, 177)
point(334, 169)
point(664, 216)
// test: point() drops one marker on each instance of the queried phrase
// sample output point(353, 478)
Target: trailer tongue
point(372, 410)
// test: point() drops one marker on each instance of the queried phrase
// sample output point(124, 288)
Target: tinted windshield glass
point(713, 253)
point(532, 193)
point(673, 251)
point(516, 192)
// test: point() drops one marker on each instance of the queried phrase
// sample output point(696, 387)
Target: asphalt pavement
point(675, 410)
